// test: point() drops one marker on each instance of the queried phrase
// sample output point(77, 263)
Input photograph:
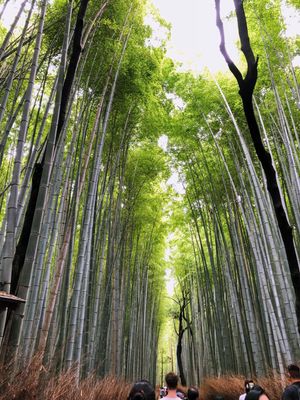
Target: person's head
point(142, 390)
point(256, 393)
point(193, 393)
point(249, 384)
point(294, 371)
point(171, 380)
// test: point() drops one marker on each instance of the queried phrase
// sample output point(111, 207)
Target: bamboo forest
point(149, 211)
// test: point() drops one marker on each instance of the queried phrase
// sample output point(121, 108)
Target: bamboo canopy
point(122, 175)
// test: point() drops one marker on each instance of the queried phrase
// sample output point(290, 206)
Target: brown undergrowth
point(230, 387)
point(35, 382)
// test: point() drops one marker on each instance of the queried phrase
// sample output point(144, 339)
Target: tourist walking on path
point(292, 391)
point(193, 393)
point(142, 390)
point(256, 393)
point(172, 382)
point(248, 385)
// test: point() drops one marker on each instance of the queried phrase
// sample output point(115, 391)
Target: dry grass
point(64, 388)
point(36, 383)
point(23, 384)
point(230, 387)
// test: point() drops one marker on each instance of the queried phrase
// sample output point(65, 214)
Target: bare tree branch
point(231, 65)
point(243, 33)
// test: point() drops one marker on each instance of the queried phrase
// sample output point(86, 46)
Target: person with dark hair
point(172, 382)
point(292, 391)
point(193, 393)
point(142, 390)
point(256, 393)
point(248, 385)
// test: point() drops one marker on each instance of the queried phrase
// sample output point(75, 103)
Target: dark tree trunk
point(180, 333)
point(21, 248)
point(179, 356)
point(272, 185)
point(246, 86)
point(22, 245)
point(71, 72)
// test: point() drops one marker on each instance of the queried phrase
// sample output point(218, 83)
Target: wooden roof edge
point(10, 297)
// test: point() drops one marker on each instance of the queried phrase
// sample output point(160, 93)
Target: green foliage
point(295, 3)
point(266, 30)
point(146, 169)
point(3, 32)
point(55, 26)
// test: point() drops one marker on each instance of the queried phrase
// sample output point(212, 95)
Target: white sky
point(194, 36)
point(11, 11)
point(170, 281)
